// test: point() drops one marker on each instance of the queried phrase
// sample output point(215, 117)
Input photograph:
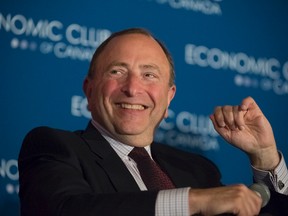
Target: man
point(129, 87)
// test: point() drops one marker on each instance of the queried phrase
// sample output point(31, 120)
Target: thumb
point(248, 103)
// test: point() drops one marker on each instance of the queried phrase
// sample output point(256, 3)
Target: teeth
point(131, 106)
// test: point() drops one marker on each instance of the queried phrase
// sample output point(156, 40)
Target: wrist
point(265, 159)
point(195, 201)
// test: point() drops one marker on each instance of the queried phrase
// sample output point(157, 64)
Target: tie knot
point(139, 154)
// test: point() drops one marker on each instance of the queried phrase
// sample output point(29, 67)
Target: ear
point(87, 89)
point(171, 94)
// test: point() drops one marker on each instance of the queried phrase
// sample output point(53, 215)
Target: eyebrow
point(115, 63)
point(142, 66)
point(150, 66)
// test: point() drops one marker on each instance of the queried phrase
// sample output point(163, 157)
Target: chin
point(131, 130)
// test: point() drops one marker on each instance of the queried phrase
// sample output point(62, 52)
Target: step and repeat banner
point(224, 51)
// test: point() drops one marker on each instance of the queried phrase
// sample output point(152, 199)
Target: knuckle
point(226, 108)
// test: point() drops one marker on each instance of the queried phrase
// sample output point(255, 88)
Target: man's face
point(129, 94)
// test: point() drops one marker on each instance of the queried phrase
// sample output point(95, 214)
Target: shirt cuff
point(172, 202)
point(276, 179)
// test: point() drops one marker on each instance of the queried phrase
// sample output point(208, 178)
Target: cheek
point(108, 89)
point(159, 97)
point(106, 93)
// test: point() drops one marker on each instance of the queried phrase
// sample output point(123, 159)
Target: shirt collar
point(121, 149)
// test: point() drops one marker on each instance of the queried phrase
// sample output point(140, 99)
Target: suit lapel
point(106, 157)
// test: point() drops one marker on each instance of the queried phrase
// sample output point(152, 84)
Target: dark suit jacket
point(78, 173)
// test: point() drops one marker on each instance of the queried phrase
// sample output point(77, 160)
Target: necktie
point(151, 174)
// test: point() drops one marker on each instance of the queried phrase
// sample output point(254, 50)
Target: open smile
point(132, 106)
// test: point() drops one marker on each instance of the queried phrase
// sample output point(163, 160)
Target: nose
point(132, 85)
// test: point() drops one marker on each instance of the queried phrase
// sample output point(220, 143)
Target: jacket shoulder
point(47, 140)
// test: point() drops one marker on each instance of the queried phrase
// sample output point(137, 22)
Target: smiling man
point(103, 169)
point(128, 88)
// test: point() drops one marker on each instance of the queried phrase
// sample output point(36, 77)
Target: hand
point(245, 127)
point(237, 200)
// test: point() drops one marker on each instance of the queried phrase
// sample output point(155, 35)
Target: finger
point(229, 117)
point(254, 203)
point(248, 104)
point(248, 200)
point(239, 117)
point(218, 128)
point(218, 118)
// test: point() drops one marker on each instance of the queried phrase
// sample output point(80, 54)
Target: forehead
point(134, 47)
point(132, 39)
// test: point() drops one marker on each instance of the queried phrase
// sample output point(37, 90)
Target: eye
point(114, 71)
point(117, 72)
point(150, 75)
point(150, 71)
